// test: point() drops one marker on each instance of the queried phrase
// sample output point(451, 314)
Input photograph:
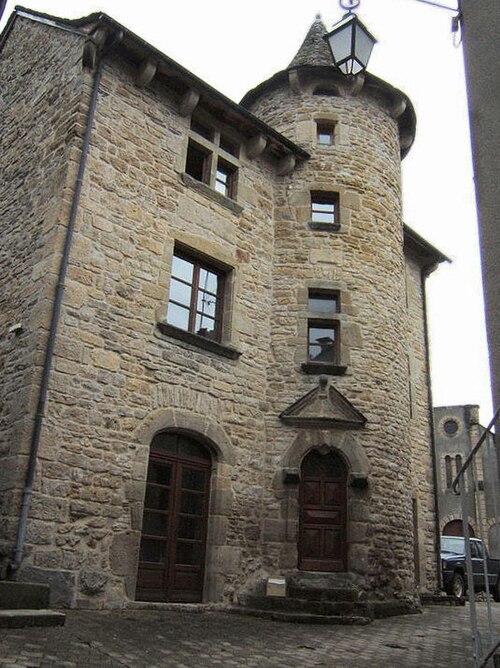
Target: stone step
point(319, 594)
point(288, 604)
point(303, 617)
point(23, 595)
point(18, 619)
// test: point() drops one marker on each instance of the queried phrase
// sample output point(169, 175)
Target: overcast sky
point(234, 45)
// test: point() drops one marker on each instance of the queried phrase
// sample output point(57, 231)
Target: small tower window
point(324, 211)
point(325, 133)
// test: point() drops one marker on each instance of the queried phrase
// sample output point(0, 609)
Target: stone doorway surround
point(218, 554)
point(346, 445)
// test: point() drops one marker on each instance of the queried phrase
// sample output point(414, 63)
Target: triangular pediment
point(323, 407)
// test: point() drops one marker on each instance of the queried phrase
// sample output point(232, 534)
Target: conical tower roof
point(314, 49)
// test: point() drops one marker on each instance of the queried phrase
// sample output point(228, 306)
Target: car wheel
point(456, 587)
point(496, 590)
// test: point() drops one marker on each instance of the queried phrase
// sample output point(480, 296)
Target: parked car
point(455, 570)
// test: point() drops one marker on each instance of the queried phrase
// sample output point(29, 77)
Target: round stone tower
point(339, 376)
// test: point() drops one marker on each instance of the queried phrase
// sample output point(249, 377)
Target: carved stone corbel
point(398, 107)
point(294, 81)
point(357, 84)
point(405, 140)
point(255, 146)
point(188, 102)
point(286, 165)
point(146, 73)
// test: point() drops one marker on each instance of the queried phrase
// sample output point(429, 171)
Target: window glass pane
point(193, 479)
point(229, 146)
point(321, 344)
point(155, 523)
point(159, 473)
point(165, 441)
point(202, 129)
point(182, 268)
point(188, 553)
point(322, 212)
point(323, 303)
point(192, 503)
point(206, 303)
point(205, 326)
point(208, 280)
point(156, 497)
point(178, 316)
point(324, 138)
point(180, 292)
point(198, 163)
point(190, 527)
point(191, 448)
point(152, 550)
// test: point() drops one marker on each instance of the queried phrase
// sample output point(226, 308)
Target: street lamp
point(350, 42)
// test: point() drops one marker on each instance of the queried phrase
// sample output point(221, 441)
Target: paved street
point(440, 637)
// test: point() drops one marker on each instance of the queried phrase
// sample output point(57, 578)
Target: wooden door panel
point(323, 504)
point(172, 553)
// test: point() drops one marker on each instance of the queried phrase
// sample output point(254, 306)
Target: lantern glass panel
point(364, 45)
point(341, 43)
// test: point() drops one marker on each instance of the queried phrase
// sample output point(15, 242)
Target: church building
point(213, 342)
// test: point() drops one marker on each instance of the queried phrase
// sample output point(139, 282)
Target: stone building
point(212, 338)
point(457, 430)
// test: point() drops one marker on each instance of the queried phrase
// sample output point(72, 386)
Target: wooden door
point(172, 553)
point(323, 508)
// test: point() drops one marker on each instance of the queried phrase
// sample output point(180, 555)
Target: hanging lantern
point(350, 42)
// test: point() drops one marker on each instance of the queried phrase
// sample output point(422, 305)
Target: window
point(323, 342)
point(450, 427)
point(325, 210)
point(323, 333)
point(196, 295)
point(325, 133)
point(448, 471)
point(210, 158)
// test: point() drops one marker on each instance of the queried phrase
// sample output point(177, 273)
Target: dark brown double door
point(323, 504)
point(172, 552)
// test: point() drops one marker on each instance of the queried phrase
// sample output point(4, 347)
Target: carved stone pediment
point(323, 407)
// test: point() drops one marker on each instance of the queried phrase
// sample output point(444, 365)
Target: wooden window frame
point(200, 262)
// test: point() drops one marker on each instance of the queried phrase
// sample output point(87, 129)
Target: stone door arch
point(322, 542)
point(174, 527)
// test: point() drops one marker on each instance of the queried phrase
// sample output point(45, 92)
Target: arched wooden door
point(174, 526)
point(323, 509)
point(456, 528)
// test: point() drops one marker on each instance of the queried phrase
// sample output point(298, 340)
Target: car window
point(452, 545)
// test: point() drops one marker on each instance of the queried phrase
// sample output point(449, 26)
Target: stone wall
point(420, 435)
point(42, 109)
point(118, 379)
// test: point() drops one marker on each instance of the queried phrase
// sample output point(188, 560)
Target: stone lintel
point(255, 146)
point(286, 165)
point(188, 102)
point(146, 72)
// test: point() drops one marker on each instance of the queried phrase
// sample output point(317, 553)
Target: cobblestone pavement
point(440, 637)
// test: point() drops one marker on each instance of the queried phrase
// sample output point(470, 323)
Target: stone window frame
point(223, 346)
point(325, 128)
point(221, 148)
point(301, 202)
point(346, 330)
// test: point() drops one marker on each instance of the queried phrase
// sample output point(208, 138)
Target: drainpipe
point(437, 541)
point(56, 308)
